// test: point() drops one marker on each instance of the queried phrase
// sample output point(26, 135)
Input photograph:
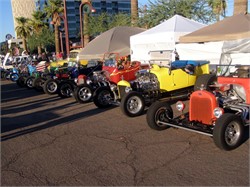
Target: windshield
point(232, 70)
point(110, 60)
point(73, 54)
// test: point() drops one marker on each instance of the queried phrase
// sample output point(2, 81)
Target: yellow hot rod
point(177, 80)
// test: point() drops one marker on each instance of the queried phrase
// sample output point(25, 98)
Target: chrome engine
point(99, 78)
point(145, 82)
point(234, 99)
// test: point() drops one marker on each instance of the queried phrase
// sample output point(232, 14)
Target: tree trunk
point(240, 6)
point(57, 43)
point(39, 49)
point(134, 12)
point(25, 44)
point(85, 29)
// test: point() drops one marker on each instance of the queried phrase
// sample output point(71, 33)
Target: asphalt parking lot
point(47, 141)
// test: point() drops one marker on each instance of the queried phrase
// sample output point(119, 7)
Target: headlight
point(218, 112)
point(128, 89)
point(54, 77)
point(180, 106)
point(88, 81)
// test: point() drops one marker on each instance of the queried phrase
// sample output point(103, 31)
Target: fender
point(124, 83)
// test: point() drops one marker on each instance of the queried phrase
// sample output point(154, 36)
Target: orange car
point(222, 112)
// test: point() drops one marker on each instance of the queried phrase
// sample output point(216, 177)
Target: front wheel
point(38, 84)
point(65, 89)
point(29, 82)
point(132, 104)
point(159, 112)
point(83, 93)
point(50, 86)
point(102, 97)
point(228, 132)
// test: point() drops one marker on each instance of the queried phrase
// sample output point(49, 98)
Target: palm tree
point(23, 30)
point(218, 7)
point(240, 6)
point(53, 11)
point(134, 12)
point(37, 23)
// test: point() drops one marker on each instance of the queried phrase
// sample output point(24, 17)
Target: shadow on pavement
point(50, 124)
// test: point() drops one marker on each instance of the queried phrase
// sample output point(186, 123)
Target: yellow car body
point(72, 58)
point(174, 77)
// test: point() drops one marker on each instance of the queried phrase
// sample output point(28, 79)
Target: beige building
point(22, 8)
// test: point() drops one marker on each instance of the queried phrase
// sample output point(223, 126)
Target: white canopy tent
point(162, 37)
point(229, 39)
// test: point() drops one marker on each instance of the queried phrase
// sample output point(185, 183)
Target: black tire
point(206, 80)
point(14, 77)
point(102, 96)
point(38, 84)
point(2, 75)
point(161, 111)
point(21, 81)
point(50, 86)
point(29, 82)
point(65, 89)
point(228, 132)
point(132, 104)
point(83, 93)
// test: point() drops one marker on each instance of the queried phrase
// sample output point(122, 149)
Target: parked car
point(67, 86)
point(222, 113)
point(176, 80)
point(114, 69)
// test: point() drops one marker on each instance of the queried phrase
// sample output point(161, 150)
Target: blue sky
point(7, 25)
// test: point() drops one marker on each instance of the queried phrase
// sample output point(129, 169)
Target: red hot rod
point(222, 113)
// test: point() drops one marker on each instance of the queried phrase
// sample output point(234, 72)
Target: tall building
point(22, 8)
point(26, 7)
point(109, 6)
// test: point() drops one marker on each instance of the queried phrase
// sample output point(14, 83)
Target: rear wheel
point(132, 104)
point(65, 89)
point(102, 97)
point(21, 81)
point(228, 132)
point(50, 86)
point(159, 112)
point(83, 93)
point(14, 77)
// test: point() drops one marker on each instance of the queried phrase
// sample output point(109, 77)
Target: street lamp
point(66, 28)
point(89, 9)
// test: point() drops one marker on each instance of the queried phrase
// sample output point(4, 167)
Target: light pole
point(66, 28)
point(89, 9)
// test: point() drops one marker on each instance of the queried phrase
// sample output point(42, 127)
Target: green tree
point(218, 8)
point(44, 38)
point(161, 10)
point(38, 25)
point(23, 30)
point(104, 21)
point(54, 9)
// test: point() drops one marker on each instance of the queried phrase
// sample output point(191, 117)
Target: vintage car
point(73, 56)
point(114, 69)
point(222, 113)
point(65, 78)
point(176, 80)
